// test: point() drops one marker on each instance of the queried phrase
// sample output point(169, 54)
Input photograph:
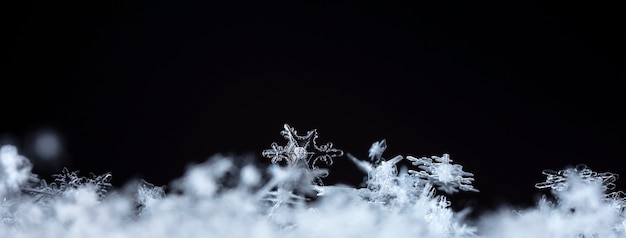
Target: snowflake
point(557, 180)
point(617, 199)
point(376, 151)
point(440, 172)
point(561, 180)
point(375, 154)
point(301, 149)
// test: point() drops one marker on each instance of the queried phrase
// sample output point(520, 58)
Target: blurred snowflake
point(376, 151)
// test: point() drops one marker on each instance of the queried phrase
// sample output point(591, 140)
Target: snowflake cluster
point(437, 171)
point(415, 191)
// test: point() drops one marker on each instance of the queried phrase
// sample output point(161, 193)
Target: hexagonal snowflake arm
point(277, 153)
point(325, 153)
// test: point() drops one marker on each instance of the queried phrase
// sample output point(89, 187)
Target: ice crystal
point(68, 181)
point(405, 194)
point(446, 176)
point(382, 180)
point(558, 180)
point(387, 185)
point(561, 182)
point(301, 150)
point(582, 209)
point(376, 151)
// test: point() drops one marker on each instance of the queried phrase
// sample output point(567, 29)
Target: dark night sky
point(143, 89)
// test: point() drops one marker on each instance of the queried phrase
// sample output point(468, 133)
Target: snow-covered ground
point(220, 198)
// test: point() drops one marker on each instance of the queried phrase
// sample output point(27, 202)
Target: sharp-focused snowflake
point(440, 172)
point(301, 149)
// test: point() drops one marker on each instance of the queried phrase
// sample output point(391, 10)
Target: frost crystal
point(440, 172)
point(67, 181)
point(301, 149)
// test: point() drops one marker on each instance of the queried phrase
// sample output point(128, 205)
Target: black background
point(143, 89)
